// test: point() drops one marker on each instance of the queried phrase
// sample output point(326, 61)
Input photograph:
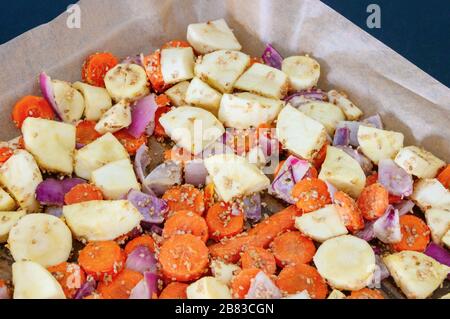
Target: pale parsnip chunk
point(438, 220)
point(221, 69)
point(343, 172)
point(202, 95)
point(326, 113)
point(20, 175)
point(177, 64)
point(126, 82)
point(351, 111)
point(7, 203)
point(264, 80)
point(208, 288)
point(379, 144)
point(7, 221)
point(96, 100)
point(446, 239)
point(192, 128)
point(234, 176)
point(51, 143)
point(322, 224)
point(245, 110)
point(417, 275)
point(101, 220)
point(336, 294)
point(115, 119)
point(42, 238)
point(299, 133)
point(223, 271)
point(211, 36)
point(177, 93)
point(102, 151)
point(303, 72)
point(419, 162)
point(115, 179)
point(430, 193)
point(70, 102)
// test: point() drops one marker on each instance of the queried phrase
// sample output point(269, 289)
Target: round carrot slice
point(297, 278)
point(70, 276)
point(83, 193)
point(86, 132)
point(186, 222)
point(143, 240)
point(311, 194)
point(120, 287)
point(366, 293)
point(96, 66)
point(31, 106)
point(373, 201)
point(259, 258)
point(240, 284)
point(444, 177)
point(5, 154)
point(174, 290)
point(222, 223)
point(415, 234)
point(130, 142)
point(183, 258)
point(349, 212)
point(292, 248)
point(102, 259)
point(185, 197)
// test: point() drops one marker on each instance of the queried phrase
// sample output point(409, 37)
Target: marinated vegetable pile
point(198, 171)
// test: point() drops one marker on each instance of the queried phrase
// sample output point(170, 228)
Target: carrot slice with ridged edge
point(373, 201)
point(259, 258)
point(311, 194)
point(415, 234)
point(185, 222)
point(291, 248)
point(70, 276)
point(31, 106)
point(96, 66)
point(83, 193)
point(143, 240)
point(185, 197)
point(241, 283)
point(86, 132)
point(174, 290)
point(297, 278)
point(120, 287)
point(222, 223)
point(131, 143)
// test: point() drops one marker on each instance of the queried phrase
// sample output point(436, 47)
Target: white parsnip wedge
point(264, 80)
point(51, 143)
point(379, 144)
point(351, 111)
point(336, 294)
point(446, 239)
point(212, 36)
point(223, 271)
point(208, 288)
point(70, 102)
point(438, 220)
point(303, 72)
point(326, 113)
point(346, 262)
point(32, 281)
point(177, 64)
point(115, 179)
point(102, 151)
point(192, 128)
point(126, 82)
point(221, 69)
point(245, 110)
point(299, 133)
point(7, 221)
point(343, 172)
point(417, 275)
point(20, 175)
point(202, 95)
point(115, 119)
point(177, 93)
point(322, 224)
point(234, 176)
point(430, 193)
point(42, 238)
point(101, 220)
point(96, 100)
point(419, 162)
point(7, 203)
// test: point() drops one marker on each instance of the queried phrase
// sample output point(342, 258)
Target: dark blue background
point(417, 29)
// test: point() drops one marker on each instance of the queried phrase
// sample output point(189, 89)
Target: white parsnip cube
point(430, 193)
point(326, 113)
point(208, 288)
point(7, 203)
point(202, 95)
point(115, 119)
point(177, 64)
point(70, 102)
point(96, 100)
point(223, 271)
point(351, 111)
point(379, 144)
point(303, 72)
point(438, 220)
point(7, 221)
point(177, 93)
point(419, 162)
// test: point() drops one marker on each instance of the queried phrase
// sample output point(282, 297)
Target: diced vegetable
point(272, 57)
point(45, 83)
point(430, 193)
point(297, 99)
point(96, 66)
point(379, 144)
point(126, 82)
point(438, 253)
point(438, 220)
point(96, 100)
point(394, 178)
point(223, 271)
point(373, 121)
point(387, 227)
point(208, 288)
point(115, 119)
point(195, 173)
point(351, 111)
point(177, 64)
point(7, 203)
point(147, 288)
point(341, 136)
point(419, 162)
point(151, 207)
point(52, 191)
point(251, 205)
point(7, 221)
point(142, 260)
point(303, 72)
point(262, 287)
point(142, 115)
point(87, 288)
point(69, 101)
point(353, 128)
point(177, 93)
point(364, 162)
point(202, 95)
point(164, 176)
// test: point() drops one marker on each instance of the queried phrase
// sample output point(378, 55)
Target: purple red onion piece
point(146, 288)
point(45, 82)
point(252, 207)
point(86, 289)
point(374, 121)
point(394, 178)
point(341, 136)
point(151, 207)
point(404, 207)
point(141, 259)
point(164, 176)
point(195, 173)
point(387, 227)
point(262, 287)
point(299, 98)
point(51, 191)
point(272, 57)
point(142, 114)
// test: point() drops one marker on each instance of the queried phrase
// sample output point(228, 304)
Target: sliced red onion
point(56, 211)
point(252, 207)
point(155, 229)
point(272, 57)
point(262, 287)
point(51, 191)
point(353, 127)
point(141, 161)
point(142, 114)
point(364, 162)
point(141, 259)
point(297, 167)
point(136, 59)
point(404, 207)
point(387, 227)
point(146, 288)
point(151, 207)
point(374, 121)
point(299, 98)
point(367, 233)
point(299, 295)
point(86, 289)
point(341, 136)
point(164, 176)
point(79, 145)
point(195, 173)
point(381, 273)
point(394, 178)
point(4, 292)
point(45, 82)
point(438, 253)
